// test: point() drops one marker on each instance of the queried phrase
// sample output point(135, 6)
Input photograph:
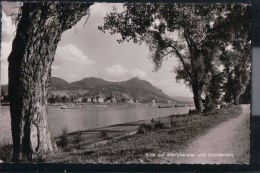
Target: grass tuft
point(104, 134)
point(155, 125)
point(6, 152)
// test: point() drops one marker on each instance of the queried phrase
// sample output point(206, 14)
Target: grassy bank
point(130, 142)
point(114, 144)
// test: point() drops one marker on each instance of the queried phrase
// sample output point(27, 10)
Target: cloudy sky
point(87, 52)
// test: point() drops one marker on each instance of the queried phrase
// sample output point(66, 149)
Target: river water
point(91, 116)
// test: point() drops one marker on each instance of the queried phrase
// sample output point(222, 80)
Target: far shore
point(73, 104)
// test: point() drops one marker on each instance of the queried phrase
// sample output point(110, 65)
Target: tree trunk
point(208, 105)
point(0, 84)
point(38, 33)
point(197, 97)
point(196, 81)
point(236, 99)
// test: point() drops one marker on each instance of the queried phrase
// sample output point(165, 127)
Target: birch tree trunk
point(38, 32)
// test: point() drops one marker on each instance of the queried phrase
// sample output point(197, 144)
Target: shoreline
point(133, 142)
point(126, 143)
point(5, 106)
point(139, 112)
point(123, 125)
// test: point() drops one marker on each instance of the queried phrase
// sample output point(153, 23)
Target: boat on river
point(165, 106)
point(130, 105)
point(180, 105)
point(70, 107)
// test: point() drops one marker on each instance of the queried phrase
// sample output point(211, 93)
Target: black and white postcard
point(124, 83)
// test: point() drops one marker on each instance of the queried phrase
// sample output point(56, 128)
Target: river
point(91, 116)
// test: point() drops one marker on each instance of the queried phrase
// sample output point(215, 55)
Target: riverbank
point(136, 142)
point(91, 117)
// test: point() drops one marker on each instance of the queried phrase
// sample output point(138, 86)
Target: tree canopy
point(196, 34)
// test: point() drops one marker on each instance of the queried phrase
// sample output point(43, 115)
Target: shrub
point(159, 125)
point(191, 112)
point(143, 128)
point(172, 122)
point(155, 125)
point(78, 138)
point(64, 138)
point(104, 134)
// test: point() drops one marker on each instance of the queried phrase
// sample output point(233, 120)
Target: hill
point(130, 89)
point(58, 84)
point(134, 88)
point(142, 84)
point(89, 83)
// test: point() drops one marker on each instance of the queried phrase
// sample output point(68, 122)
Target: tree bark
point(236, 96)
point(197, 97)
point(236, 100)
point(196, 79)
point(38, 33)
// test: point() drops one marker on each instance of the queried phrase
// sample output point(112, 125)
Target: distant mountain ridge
point(92, 82)
point(133, 88)
point(89, 83)
point(58, 84)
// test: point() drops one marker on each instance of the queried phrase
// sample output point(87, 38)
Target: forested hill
point(134, 88)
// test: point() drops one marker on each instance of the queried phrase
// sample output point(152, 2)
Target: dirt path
point(226, 143)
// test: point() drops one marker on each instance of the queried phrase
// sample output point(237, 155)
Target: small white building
point(94, 99)
point(97, 98)
point(100, 99)
point(130, 101)
point(153, 102)
point(78, 100)
point(114, 99)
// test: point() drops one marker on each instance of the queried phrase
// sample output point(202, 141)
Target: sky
point(85, 51)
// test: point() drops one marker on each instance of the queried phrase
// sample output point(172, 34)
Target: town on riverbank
point(98, 91)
